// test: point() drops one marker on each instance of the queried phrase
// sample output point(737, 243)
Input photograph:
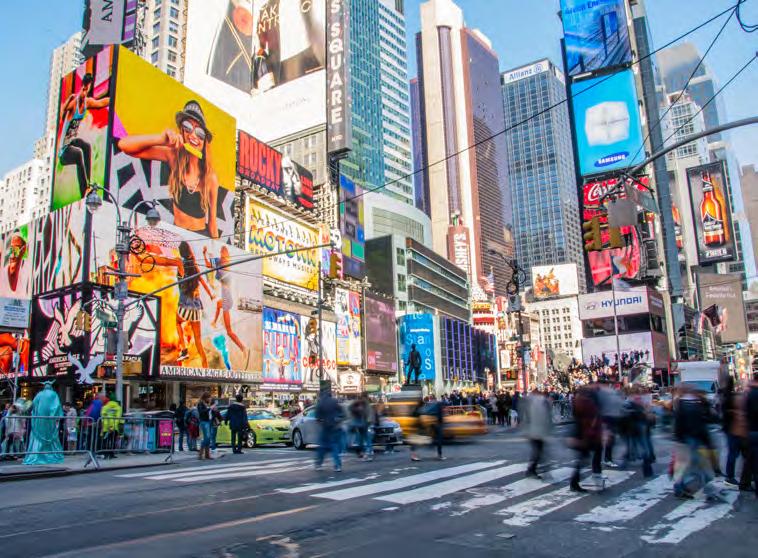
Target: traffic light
point(616, 238)
point(592, 240)
point(335, 265)
point(83, 321)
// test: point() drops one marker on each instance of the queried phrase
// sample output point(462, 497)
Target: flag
point(621, 285)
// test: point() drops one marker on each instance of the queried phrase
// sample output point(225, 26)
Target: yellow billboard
point(270, 231)
point(173, 146)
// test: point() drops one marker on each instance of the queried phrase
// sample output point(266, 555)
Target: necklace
point(192, 184)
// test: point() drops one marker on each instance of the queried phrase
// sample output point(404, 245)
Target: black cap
point(194, 111)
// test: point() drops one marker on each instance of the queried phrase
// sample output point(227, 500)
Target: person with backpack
point(180, 415)
point(236, 418)
point(192, 421)
point(413, 365)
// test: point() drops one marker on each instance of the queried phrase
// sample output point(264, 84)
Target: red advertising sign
point(593, 191)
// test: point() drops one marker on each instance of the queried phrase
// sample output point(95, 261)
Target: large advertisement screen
point(59, 247)
point(711, 213)
point(108, 22)
point(16, 262)
point(261, 60)
point(607, 123)
point(418, 330)
point(347, 307)
point(309, 351)
point(381, 340)
point(596, 34)
point(172, 146)
point(81, 134)
point(722, 305)
point(270, 232)
point(210, 325)
point(59, 341)
point(282, 366)
point(555, 280)
point(352, 227)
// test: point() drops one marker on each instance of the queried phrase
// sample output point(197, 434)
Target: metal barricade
point(25, 435)
point(134, 435)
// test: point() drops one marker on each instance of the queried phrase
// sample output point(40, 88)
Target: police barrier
point(134, 435)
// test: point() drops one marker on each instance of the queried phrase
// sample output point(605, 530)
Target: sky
point(521, 31)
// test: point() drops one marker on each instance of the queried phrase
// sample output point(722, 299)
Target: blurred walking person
point(329, 413)
point(69, 426)
point(734, 425)
point(192, 420)
point(204, 415)
point(751, 414)
point(359, 415)
point(180, 419)
point(236, 418)
point(587, 440)
point(536, 425)
point(611, 409)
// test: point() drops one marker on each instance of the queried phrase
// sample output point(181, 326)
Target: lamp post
point(121, 292)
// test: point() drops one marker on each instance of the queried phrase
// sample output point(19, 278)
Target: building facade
point(25, 192)
point(63, 60)
point(541, 167)
point(559, 325)
point(165, 30)
point(462, 109)
point(749, 185)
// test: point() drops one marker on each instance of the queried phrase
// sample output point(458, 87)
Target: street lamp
point(123, 237)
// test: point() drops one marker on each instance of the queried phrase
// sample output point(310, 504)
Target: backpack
point(193, 425)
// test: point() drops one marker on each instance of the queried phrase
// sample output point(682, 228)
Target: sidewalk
point(77, 464)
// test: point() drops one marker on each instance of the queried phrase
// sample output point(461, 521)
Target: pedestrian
point(192, 420)
point(216, 420)
point(751, 416)
point(112, 425)
point(236, 418)
point(69, 426)
point(329, 413)
point(587, 439)
point(180, 416)
point(508, 405)
point(734, 425)
point(611, 409)
point(14, 426)
point(359, 414)
point(416, 433)
point(204, 416)
point(492, 408)
point(536, 424)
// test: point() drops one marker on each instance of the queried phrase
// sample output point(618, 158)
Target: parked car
point(305, 430)
point(265, 428)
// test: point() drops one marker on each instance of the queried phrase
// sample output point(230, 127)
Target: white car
point(305, 430)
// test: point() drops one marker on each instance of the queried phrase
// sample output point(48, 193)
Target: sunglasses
point(199, 131)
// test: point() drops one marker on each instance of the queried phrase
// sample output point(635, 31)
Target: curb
point(66, 472)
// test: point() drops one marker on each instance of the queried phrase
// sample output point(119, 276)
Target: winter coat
point(536, 420)
point(329, 411)
point(236, 416)
point(111, 415)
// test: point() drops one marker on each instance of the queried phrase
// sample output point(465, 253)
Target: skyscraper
point(420, 186)
point(469, 203)
point(63, 60)
point(541, 167)
point(165, 28)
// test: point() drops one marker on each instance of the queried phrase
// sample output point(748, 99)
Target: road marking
point(630, 504)
point(444, 488)
point(319, 485)
point(238, 475)
point(227, 469)
point(529, 511)
point(688, 518)
point(387, 486)
point(496, 495)
point(210, 467)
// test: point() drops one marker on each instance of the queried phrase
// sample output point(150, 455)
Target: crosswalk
point(629, 501)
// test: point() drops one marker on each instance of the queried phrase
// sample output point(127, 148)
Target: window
point(402, 305)
point(157, 13)
point(156, 42)
point(154, 57)
point(173, 27)
point(157, 28)
point(401, 282)
point(400, 256)
point(171, 56)
point(172, 41)
point(174, 13)
point(170, 70)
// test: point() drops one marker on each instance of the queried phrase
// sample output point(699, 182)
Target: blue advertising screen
point(596, 35)
point(352, 228)
point(607, 120)
point(418, 329)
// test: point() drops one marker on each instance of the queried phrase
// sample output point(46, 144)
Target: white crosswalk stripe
point(228, 470)
point(688, 518)
point(630, 504)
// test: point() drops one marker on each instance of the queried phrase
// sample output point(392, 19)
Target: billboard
point(309, 351)
point(596, 35)
point(108, 22)
point(261, 60)
point(14, 354)
point(210, 326)
point(352, 225)
point(381, 339)
point(16, 262)
point(555, 280)
point(347, 307)
point(282, 366)
point(339, 129)
point(267, 168)
point(711, 213)
point(628, 302)
point(649, 347)
point(172, 146)
point(607, 123)
point(59, 248)
point(722, 305)
point(81, 133)
point(269, 232)
point(418, 329)
point(58, 341)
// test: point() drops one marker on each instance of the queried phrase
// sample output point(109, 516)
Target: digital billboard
point(607, 123)
point(269, 231)
point(59, 248)
point(261, 60)
point(721, 303)
point(347, 307)
point(172, 146)
point(339, 129)
point(267, 168)
point(210, 325)
point(16, 262)
point(14, 354)
point(59, 341)
point(381, 339)
point(352, 227)
point(711, 213)
point(108, 22)
point(596, 35)
point(418, 329)
point(309, 351)
point(81, 133)
point(282, 366)
point(555, 280)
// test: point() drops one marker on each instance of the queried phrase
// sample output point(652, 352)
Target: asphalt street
point(271, 502)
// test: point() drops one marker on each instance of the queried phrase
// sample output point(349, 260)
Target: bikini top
point(191, 203)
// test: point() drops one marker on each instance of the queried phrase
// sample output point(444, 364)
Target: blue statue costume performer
point(44, 443)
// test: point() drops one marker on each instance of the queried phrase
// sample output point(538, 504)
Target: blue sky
point(521, 31)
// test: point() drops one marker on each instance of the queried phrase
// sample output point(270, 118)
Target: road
point(270, 502)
